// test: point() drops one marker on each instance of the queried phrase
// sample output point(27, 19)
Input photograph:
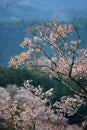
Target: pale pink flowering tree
point(65, 61)
point(34, 114)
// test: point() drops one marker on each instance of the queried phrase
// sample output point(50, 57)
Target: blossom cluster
point(33, 113)
point(69, 60)
point(68, 105)
point(65, 59)
point(53, 35)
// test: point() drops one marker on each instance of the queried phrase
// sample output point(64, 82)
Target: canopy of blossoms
point(34, 114)
point(63, 60)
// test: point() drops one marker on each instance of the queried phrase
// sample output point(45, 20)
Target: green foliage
point(30, 127)
point(19, 75)
point(20, 106)
point(79, 116)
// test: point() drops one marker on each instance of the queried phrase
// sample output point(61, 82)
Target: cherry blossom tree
point(34, 114)
point(52, 50)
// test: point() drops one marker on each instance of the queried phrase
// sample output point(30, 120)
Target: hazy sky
point(55, 4)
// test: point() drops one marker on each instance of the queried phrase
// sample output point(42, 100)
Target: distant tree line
point(19, 75)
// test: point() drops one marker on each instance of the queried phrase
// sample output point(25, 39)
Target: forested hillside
point(18, 76)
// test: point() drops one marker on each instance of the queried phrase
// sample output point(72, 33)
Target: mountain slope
point(20, 11)
point(42, 9)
